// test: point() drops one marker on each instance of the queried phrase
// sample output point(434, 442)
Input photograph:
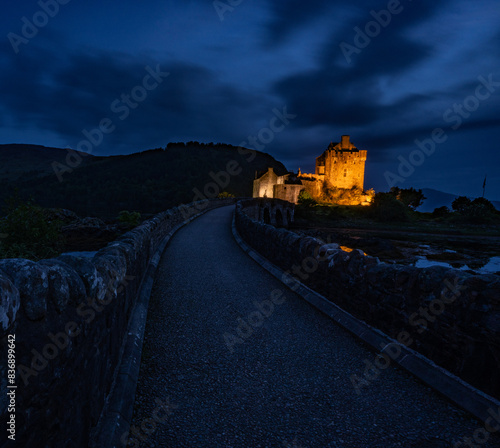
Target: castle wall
point(288, 192)
point(345, 169)
point(313, 185)
point(264, 186)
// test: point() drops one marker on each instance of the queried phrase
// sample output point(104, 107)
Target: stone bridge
point(276, 212)
point(175, 336)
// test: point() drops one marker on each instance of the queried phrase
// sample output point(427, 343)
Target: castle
point(339, 177)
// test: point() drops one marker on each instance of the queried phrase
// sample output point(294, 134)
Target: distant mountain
point(30, 161)
point(148, 181)
point(436, 198)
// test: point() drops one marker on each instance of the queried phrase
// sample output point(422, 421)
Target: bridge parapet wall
point(277, 212)
point(69, 316)
point(450, 316)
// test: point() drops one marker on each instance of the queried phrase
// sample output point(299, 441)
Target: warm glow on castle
point(338, 178)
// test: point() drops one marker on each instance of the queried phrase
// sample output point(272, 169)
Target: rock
point(89, 234)
point(308, 246)
point(112, 266)
point(492, 322)
point(338, 259)
point(60, 214)
point(432, 278)
point(33, 284)
point(65, 285)
point(328, 249)
point(381, 248)
point(10, 302)
point(94, 283)
point(90, 222)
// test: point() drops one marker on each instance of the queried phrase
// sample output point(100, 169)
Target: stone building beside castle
point(338, 177)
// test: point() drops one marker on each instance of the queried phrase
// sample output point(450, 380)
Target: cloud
point(287, 17)
point(226, 77)
point(67, 98)
point(346, 95)
point(353, 98)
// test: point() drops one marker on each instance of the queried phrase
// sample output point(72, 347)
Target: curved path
point(284, 384)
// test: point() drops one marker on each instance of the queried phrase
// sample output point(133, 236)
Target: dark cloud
point(79, 94)
point(290, 15)
point(347, 98)
point(348, 95)
point(66, 79)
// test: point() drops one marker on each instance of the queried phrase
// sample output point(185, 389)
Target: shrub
point(27, 233)
point(441, 212)
point(225, 195)
point(386, 207)
point(132, 219)
point(306, 199)
point(345, 196)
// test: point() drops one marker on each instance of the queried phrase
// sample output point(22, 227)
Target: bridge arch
point(276, 212)
point(266, 215)
point(279, 218)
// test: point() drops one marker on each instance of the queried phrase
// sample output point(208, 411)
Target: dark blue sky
point(425, 66)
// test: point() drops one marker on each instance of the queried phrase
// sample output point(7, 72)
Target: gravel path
point(287, 384)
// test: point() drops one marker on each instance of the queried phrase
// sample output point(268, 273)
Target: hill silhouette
point(149, 182)
point(30, 161)
point(436, 198)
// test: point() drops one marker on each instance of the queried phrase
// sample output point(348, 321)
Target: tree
point(461, 204)
point(441, 212)
point(409, 196)
point(478, 211)
point(483, 202)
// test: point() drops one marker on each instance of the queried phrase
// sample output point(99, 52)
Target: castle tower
point(342, 164)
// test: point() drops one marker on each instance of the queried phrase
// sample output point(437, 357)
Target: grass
point(361, 217)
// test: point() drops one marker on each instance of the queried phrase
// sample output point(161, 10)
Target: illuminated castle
point(340, 167)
